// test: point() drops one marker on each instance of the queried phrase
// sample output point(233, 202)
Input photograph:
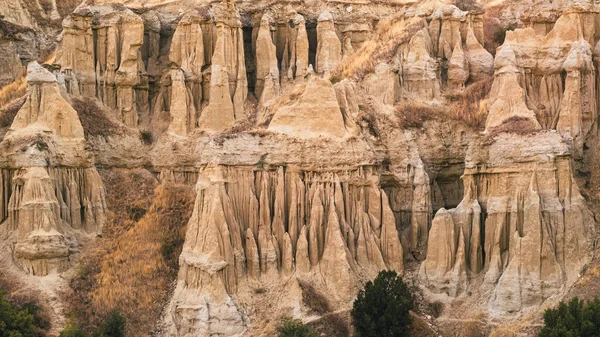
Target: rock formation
point(326, 142)
point(329, 50)
point(316, 113)
point(267, 71)
point(535, 222)
point(50, 191)
point(329, 228)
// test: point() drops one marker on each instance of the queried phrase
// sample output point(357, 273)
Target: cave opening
point(311, 31)
point(447, 188)
point(249, 56)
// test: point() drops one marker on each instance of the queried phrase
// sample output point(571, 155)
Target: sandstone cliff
point(326, 140)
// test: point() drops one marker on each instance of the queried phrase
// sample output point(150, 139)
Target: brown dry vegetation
point(420, 327)
point(466, 106)
point(136, 262)
point(413, 115)
point(494, 30)
point(9, 111)
point(391, 34)
point(313, 299)
point(332, 325)
point(12, 91)
point(94, 118)
point(516, 125)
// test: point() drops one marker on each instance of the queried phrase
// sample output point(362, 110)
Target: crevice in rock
point(311, 31)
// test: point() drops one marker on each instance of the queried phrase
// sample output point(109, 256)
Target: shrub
point(93, 118)
point(294, 328)
point(575, 318)
point(466, 105)
point(15, 321)
point(516, 125)
point(382, 307)
point(8, 112)
point(146, 137)
point(332, 325)
point(114, 326)
point(436, 308)
point(73, 331)
point(313, 299)
point(467, 5)
point(412, 115)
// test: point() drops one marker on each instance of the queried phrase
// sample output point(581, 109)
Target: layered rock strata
point(51, 193)
point(522, 231)
point(250, 225)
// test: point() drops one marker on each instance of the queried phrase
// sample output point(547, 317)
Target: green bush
point(114, 326)
point(573, 319)
point(73, 331)
point(382, 308)
point(16, 321)
point(294, 328)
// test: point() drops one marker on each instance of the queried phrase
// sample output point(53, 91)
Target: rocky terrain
point(454, 142)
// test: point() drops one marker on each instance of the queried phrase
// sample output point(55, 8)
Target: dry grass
point(516, 125)
point(128, 192)
point(414, 115)
point(419, 327)
point(467, 5)
point(133, 269)
point(391, 34)
point(313, 299)
point(332, 325)
point(12, 91)
point(9, 111)
point(466, 106)
point(94, 118)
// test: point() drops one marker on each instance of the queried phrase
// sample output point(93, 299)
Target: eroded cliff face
point(51, 192)
point(326, 141)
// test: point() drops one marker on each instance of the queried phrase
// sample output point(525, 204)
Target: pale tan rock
point(183, 113)
point(419, 71)
point(524, 264)
point(577, 112)
point(266, 64)
point(43, 241)
point(507, 97)
point(187, 51)
point(437, 271)
point(299, 63)
point(337, 262)
point(219, 114)
point(481, 62)
point(206, 277)
point(45, 108)
point(302, 259)
point(391, 248)
point(383, 84)
point(345, 92)
point(329, 48)
point(252, 258)
point(316, 113)
point(449, 34)
point(458, 69)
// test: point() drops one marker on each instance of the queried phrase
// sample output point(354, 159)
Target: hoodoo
point(208, 168)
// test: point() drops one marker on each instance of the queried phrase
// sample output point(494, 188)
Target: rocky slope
point(327, 140)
